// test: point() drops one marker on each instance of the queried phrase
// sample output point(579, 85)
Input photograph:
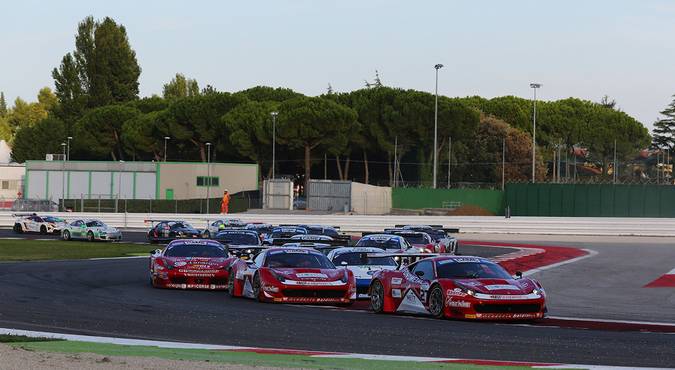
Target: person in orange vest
point(225, 203)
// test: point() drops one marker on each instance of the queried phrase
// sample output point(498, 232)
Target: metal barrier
point(354, 223)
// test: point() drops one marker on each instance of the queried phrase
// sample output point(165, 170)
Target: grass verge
point(242, 358)
point(40, 250)
point(8, 338)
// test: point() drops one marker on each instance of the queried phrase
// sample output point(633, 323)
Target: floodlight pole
point(534, 87)
point(437, 67)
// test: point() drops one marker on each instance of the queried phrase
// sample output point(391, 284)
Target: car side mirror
point(343, 263)
point(419, 273)
point(519, 275)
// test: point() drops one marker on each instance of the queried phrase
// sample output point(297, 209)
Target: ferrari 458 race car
point(31, 222)
point(262, 229)
point(283, 233)
point(362, 262)
point(190, 264)
point(219, 225)
point(165, 231)
point(292, 275)
point(420, 241)
point(457, 287)
point(387, 242)
point(444, 242)
point(240, 237)
point(90, 230)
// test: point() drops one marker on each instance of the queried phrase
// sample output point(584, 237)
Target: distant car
point(190, 264)
point(238, 237)
point(322, 247)
point(445, 243)
point(282, 233)
point(421, 241)
point(91, 230)
point(387, 242)
point(457, 287)
point(292, 275)
point(362, 262)
point(330, 231)
point(218, 225)
point(165, 231)
point(31, 222)
point(262, 229)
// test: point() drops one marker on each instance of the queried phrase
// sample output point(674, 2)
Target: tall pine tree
point(664, 129)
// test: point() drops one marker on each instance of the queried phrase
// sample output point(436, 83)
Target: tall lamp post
point(534, 87)
point(274, 140)
point(208, 176)
point(119, 185)
point(63, 177)
point(166, 138)
point(437, 67)
point(68, 150)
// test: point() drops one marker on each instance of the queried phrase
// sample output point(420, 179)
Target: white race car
point(219, 225)
point(31, 222)
point(90, 230)
point(363, 266)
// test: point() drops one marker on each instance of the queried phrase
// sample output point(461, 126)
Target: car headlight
point(277, 276)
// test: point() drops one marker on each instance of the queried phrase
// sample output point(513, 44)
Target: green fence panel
point(580, 201)
point(666, 201)
point(418, 198)
point(555, 201)
point(544, 200)
point(594, 200)
point(652, 194)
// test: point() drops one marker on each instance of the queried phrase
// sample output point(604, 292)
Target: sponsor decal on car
point(501, 287)
point(180, 264)
point(396, 293)
point(455, 293)
point(459, 304)
point(311, 275)
point(500, 316)
point(396, 281)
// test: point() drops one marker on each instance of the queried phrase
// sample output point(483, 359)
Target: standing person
point(225, 203)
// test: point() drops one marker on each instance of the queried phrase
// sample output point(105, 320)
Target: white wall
point(370, 199)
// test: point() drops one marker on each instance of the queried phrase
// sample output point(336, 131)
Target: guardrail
point(359, 223)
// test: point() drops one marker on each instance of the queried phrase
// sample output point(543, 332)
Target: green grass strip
point(242, 358)
point(41, 250)
point(9, 338)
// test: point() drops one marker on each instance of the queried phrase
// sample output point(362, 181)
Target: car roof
point(292, 250)
point(344, 250)
point(195, 242)
point(461, 259)
point(382, 236)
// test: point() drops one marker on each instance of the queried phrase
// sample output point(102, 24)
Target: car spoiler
point(304, 225)
point(451, 230)
point(402, 257)
point(334, 242)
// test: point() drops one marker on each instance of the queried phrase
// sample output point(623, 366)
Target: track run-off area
point(599, 299)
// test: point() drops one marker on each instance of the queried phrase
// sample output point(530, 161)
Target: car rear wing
point(451, 230)
point(334, 242)
point(366, 233)
point(402, 257)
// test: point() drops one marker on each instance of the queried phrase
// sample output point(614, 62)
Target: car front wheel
point(66, 235)
point(90, 236)
point(436, 302)
point(377, 296)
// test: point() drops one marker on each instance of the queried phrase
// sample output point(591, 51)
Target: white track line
point(116, 258)
point(183, 345)
point(590, 252)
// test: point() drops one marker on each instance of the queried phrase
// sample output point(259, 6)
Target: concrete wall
point(370, 200)
point(182, 178)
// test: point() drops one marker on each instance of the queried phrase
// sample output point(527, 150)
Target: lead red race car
point(190, 264)
point(292, 275)
point(457, 287)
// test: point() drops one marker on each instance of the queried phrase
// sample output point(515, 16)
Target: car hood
point(498, 286)
point(367, 271)
point(310, 274)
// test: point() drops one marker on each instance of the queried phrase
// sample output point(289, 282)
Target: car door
point(423, 272)
point(76, 229)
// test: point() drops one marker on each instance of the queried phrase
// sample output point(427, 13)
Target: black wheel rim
point(436, 302)
point(66, 235)
point(256, 287)
point(376, 297)
point(230, 283)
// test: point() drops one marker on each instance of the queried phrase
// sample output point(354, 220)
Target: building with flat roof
point(136, 180)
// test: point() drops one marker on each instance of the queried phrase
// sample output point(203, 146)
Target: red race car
point(457, 287)
point(292, 275)
point(190, 264)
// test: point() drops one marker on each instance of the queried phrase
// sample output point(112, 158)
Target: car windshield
point(416, 239)
point(238, 238)
point(52, 219)
point(95, 224)
point(298, 259)
point(322, 231)
point(362, 259)
point(192, 250)
point(449, 269)
point(287, 233)
point(378, 243)
point(180, 225)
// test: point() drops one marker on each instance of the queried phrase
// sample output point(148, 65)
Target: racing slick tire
point(18, 228)
point(257, 293)
point(66, 235)
point(230, 284)
point(436, 302)
point(90, 236)
point(377, 297)
point(43, 230)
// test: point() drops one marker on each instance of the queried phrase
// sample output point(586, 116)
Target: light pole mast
point(63, 178)
point(166, 138)
point(68, 150)
point(274, 141)
point(437, 67)
point(208, 176)
point(534, 87)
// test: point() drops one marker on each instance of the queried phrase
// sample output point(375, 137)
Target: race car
point(167, 230)
point(238, 237)
point(91, 230)
point(330, 231)
point(262, 229)
point(190, 264)
point(292, 275)
point(214, 227)
point(387, 242)
point(457, 287)
point(445, 243)
point(31, 222)
point(421, 241)
point(283, 232)
point(360, 261)
point(322, 247)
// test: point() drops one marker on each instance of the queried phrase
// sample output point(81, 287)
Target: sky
point(585, 49)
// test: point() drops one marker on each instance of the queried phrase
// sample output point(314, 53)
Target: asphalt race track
point(114, 298)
